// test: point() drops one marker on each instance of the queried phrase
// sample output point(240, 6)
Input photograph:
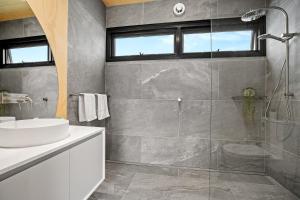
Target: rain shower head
point(270, 36)
point(254, 15)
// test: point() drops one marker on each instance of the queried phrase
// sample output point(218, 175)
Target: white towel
point(87, 107)
point(102, 106)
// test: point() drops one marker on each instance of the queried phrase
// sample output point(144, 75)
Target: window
point(23, 52)
point(144, 45)
point(232, 41)
point(197, 39)
point(196, 42)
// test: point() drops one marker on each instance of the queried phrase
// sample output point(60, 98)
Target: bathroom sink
point(33, 132)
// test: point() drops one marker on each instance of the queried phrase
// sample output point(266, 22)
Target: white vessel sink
point(33, 132)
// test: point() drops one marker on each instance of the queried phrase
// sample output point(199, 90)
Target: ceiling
point(19, 9)
point(14, 9)
point(110, 3)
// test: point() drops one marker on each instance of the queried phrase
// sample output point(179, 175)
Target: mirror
point(28, 65)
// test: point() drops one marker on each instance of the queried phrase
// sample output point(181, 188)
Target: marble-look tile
point(123, 80)
point(144, 118)
point(193, 152)
point(296, 185)
point(37, 82)
point(125, 168)
point(238, 156)
point(11, 29)
point(166, 183)
point(192, 173)
point(195, 118)
point(32, 27)
point(234, 75)
point(40, 82)
point(201, 194)
point(144, 194)
point(162, 11)
point(228, 178)
point(221, 193)
point(86, 48)
point(183, 151)
point(236, 8)
point(260, 192)
point(229, 121)
point(117, 180)
point(189, 80)
point(161, 151)
point(37, 110)
point(284, 136)
point(283, 167)
point(125, 148)
point(129, 182)
point(103, 196)
point(11, 80)
point(123, 15)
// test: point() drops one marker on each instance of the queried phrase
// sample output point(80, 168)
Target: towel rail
point(77, 95)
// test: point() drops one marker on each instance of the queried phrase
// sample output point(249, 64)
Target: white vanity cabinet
point(86, 168)
point(47, 180)
point(72, 174)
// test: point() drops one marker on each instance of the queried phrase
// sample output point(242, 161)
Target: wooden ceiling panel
point(14, 9)
point(110, 3)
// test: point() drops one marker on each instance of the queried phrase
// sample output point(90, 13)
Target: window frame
point(179, 28)
point(5, 45)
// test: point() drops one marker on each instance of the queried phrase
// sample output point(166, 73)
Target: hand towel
point(102, 111)
point(87, 107)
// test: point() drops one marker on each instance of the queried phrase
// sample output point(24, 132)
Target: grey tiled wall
point(37, 82)
point(283, 141)
point(147, 123)
point(162, 11)
point(86, 52)
point(149, 126)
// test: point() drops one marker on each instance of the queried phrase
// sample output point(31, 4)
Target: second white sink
point(33, 132)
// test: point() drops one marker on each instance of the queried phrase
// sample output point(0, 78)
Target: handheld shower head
point(254, 15)
point(270, 36)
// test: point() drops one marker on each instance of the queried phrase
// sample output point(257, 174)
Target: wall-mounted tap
point(10, 98)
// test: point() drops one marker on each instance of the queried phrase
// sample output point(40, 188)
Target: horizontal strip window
point(25, 52)
point(196, 39)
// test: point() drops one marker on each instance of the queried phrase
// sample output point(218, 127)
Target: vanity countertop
point(14, 160)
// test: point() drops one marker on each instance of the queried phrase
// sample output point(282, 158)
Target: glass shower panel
point(238, 85)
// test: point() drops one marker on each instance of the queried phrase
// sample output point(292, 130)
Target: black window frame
point(179, 28)
point(5, 45)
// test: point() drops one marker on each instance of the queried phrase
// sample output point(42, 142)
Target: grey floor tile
point(103, 196)
point(144, 195)
point(166, 183)
point(133, 182)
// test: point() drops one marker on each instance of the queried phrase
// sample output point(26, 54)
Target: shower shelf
point(236, 98)
point(283, 122)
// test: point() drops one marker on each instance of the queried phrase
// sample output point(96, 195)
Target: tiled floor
point(131, 182)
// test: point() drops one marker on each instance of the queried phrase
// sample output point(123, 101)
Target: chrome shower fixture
point(284, 38)
point(267, 36)
point(254, 15)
